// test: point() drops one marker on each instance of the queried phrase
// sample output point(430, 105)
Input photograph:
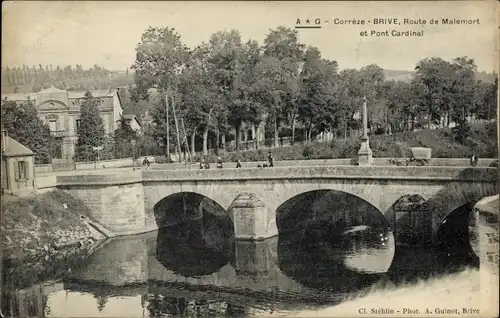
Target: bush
point(482, 140)
point(461, 132)
point(307, 152)
point(162, 159)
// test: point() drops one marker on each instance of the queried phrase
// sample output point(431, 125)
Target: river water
point(197, 269)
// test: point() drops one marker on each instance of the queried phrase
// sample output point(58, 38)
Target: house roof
point(96, 93)
point(14, 148)
point(128, 116)
point(51, 89)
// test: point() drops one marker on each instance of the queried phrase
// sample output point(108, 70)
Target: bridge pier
point(251, 219)
point(255, 257)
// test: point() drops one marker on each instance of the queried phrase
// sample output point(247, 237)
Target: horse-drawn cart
point(420, 155)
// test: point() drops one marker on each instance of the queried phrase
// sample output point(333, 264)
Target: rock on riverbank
point(44, 232)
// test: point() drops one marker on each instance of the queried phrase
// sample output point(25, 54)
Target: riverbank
point(451, 292)
point(44, 233)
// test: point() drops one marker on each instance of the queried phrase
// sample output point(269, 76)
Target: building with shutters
point(60, 110)
point(18, 167)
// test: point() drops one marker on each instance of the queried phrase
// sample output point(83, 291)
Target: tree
point(252, 110)
point(462, 88)
point(318, 93)
point(433, 79)
point(399, 104)
point(282, 44)
point(225, 69)
point(485, 99)
point(34, 133)
point(122, 138)
point(160, 57)
point(91, 130)
point(198, 97)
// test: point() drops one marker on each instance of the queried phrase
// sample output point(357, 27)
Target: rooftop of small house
point(12, 148)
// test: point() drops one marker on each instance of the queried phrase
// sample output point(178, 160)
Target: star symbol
point(308, 21)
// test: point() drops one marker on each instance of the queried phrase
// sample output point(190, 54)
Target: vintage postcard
point(249, 159)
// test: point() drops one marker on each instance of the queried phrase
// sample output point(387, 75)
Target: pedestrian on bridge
point(146, 163)
point(219, 162)
point(473, 160)
point(270, 159)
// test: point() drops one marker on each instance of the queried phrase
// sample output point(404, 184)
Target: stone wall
point(116, 201)
point(119, 208)
point(485, 242)
point(486, 234)
point(103, 164)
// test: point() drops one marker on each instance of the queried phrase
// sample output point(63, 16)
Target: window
point(78, 122)
point(53, 125)
point(21, 170)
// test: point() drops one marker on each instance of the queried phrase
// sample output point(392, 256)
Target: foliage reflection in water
point(198, 269)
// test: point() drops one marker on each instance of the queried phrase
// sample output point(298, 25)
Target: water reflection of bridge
point(134, 260)
point(255, 274)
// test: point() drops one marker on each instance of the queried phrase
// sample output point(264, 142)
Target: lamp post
point(133, 154)
point(365, 153)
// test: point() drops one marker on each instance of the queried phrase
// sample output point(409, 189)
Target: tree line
point(220, 84)
point(35, 78)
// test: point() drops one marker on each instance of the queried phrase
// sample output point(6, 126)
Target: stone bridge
point(133, 202)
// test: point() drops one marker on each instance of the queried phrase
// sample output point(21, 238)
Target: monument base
point(365, 153)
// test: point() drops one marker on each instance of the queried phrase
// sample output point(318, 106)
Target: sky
point(107, 33)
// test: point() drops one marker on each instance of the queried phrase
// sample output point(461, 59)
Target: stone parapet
point(329, 172)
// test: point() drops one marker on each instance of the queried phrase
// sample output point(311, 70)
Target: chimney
point(4, 140)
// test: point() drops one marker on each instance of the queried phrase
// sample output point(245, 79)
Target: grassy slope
point(27, 222)
point(483, 141)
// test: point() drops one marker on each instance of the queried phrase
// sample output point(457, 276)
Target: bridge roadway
point(134, 201)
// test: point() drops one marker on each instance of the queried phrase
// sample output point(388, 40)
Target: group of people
point(206, 165)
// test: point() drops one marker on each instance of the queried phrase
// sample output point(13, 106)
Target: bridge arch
point(285, 190)
point(185, 206)
point(337, 207)
point(452, 199)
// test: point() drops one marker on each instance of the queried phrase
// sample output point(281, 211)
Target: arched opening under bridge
point(328, 236)
point(453, 237)
point(195, 234)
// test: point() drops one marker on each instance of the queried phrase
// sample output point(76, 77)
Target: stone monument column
point(365, 153)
